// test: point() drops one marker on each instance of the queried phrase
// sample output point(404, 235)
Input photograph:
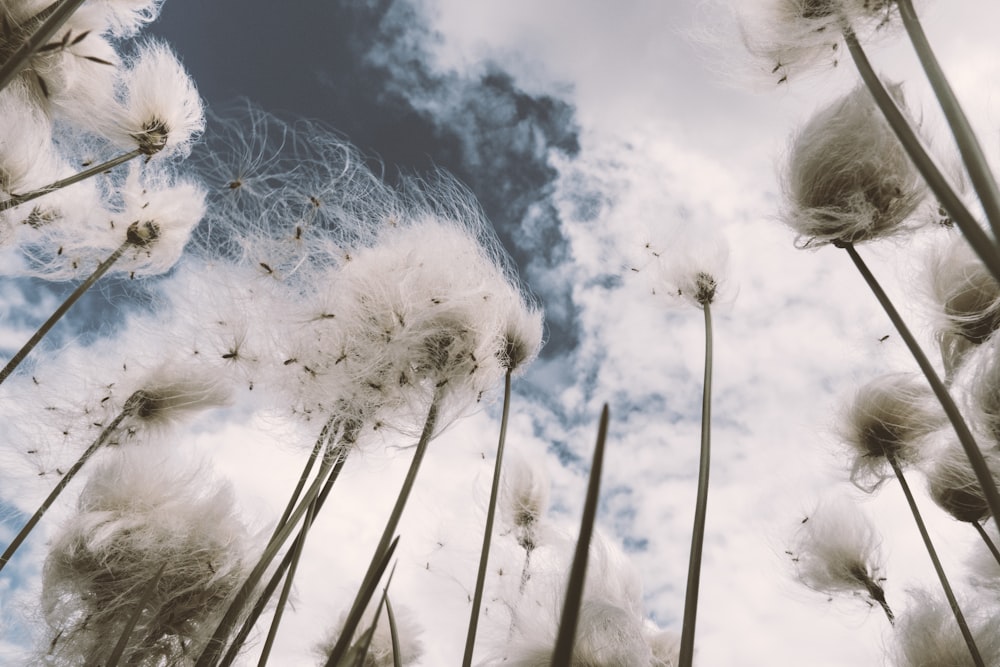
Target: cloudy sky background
point(588, 130)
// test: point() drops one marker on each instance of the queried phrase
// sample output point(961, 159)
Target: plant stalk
point(983, 181)
point(686, 656)
point(52, 17)
point(984, 246)
point(54, 494)
point(17, 200)
point(952, 602)
point(975, 456)
point(562, 656)
point(16, 360)
point(368, 583)
point(484, 556)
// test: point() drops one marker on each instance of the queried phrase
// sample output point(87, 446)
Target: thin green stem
point(959, 617)
point(562, 656)
point(16, 360)
point(701, 506)
point(368, 583)
point(52, 17)
point(984, 246)
point(986, 539)
point(968, 442)
point(484, 556)
point(980, 174)
point(17, 200)
point(66, 479)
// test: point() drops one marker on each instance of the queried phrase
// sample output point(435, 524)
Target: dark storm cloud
point(363, 68)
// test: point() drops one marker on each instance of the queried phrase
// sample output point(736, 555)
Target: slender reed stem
point(16, 360)
point(140, 606)
point(701, 505)
point(339, 454)
point(397, 653)
point(52, 18)
point(217, 643)
point(66, 479)
point(17, 200)
point(989, 543)
point(975, 162)
point(562, 656)
point(972, 451)
point(959, 617)
point(279, 610)
point(365, 595)
point(980, 241)
point(484, 556)
point(324, 436)
point(368, 583)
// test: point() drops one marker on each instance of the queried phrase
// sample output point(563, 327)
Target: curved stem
point(984, 246)
point(562, 656)
point(484, 556)
point(986, 539)
point(52, 17)
point(17, 200)
point(975, 456)
point(16, 360)
point(368, 583)
point(698, 534)
point(66, 479)
point(959, 617)
point(980, 174)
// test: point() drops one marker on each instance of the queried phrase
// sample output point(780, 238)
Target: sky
point(587, 131)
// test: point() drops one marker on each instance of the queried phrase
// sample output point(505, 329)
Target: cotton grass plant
point(857, 173)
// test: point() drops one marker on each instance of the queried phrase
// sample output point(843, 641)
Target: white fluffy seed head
point(848, 178)
point(524, 498)
point(380, 653)
point(965, 295)
point(981, 378)
point(141, 511)
point(953, 484)
point(605, 635)
point(926, 634)
point(421, 315)
point(161, 110)
point(693, 273)
point(890, 416)
point(788, 39)
point(837, 550)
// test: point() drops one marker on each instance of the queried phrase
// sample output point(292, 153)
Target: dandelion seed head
point(848, 178)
